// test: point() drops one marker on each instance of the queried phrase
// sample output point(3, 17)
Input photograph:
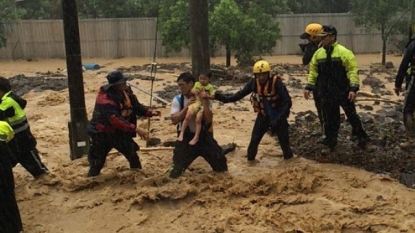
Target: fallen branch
point(367, 94)
point(145, 149)
point(378, 99)
point(150, 94)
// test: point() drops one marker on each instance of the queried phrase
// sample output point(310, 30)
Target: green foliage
point(387, 16)
point(245, 32)
point(174, 25)
point(8, 11)
point(41, 9)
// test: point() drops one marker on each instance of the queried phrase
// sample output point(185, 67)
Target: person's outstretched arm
point(226, 98)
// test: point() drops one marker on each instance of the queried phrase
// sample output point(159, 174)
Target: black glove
point(221, 97)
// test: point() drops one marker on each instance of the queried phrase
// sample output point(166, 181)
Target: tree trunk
point(383, 45)
point(228, 55)
point(199, 36)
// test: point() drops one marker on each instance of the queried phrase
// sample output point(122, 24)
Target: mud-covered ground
point(310, 193)
point(383, 126)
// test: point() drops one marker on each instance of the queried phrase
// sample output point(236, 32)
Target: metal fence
point(117, 38)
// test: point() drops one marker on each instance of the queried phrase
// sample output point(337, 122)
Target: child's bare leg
point(199, 117)
point(185, 123)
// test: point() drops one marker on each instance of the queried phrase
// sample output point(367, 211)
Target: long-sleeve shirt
point(283, 103)
point(335, 70)
point(112, 113)
point(406, 60)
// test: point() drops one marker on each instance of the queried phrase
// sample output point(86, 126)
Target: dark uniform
point(272, 103)
point(308, 51)
point(409, 103)
point(10, 220)
point(24, 143)
point(207, 147)
point(113, 124)
point(333, 74)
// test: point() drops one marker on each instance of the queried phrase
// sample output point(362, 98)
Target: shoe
point(252, 162)
point(136, 169)
point(362, 142)
point(93, 172)
point(288, 156)
point(320, 140)
point(407, 145)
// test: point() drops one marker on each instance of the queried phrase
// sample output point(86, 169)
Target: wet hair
point(187, 77)
point(5, 84)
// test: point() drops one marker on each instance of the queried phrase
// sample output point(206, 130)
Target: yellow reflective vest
point(6, 132)
point(18, 120)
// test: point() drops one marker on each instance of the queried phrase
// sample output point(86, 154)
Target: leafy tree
point(8, 11)
point(225, 25)
point(174, 25)
point(271, 7)
point(245, 34)
point(41, 9)
point(383, 15)
point(118, 8)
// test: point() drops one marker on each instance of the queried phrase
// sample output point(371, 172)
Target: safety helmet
point(312, 30)
point(261, 67)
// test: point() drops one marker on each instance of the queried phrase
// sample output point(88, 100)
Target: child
point(196, 109)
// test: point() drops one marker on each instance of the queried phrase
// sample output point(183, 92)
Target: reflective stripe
point(6, 132)
point(19, 115)
point(33, 153)
point(13, 123)
point(3, 137)
point(21, 128)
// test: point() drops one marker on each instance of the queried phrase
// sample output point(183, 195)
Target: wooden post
point(78, 137)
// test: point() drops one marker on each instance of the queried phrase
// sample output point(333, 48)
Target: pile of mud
point(384, 128)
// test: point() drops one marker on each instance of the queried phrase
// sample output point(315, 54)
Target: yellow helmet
point(261, 67)
point(312, 30)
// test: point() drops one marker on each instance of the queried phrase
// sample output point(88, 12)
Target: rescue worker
point(271, 102)
point(10, 220)
point(333, 76)
point(310, 34)
point(207, 147)
point(114, 123)
point(409, 102)
point(23, 145)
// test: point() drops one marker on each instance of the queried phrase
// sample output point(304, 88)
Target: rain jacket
point(308, 49)
point(407, 60)
point(115, 112)
point(336, 69)
point(11, 111)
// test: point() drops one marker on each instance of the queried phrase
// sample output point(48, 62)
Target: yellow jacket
point(6, 132)
point(336, 73)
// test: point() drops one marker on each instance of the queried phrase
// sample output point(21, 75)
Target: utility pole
point(78, 137)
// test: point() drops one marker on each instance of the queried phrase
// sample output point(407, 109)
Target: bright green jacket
point(12, 113)
point(6, 132)
point(335, 74)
